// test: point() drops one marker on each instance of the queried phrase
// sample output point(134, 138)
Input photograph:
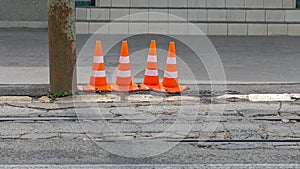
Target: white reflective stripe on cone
point(98, 74)
point(171, 60)
point(152, 58)
point(98, 59)
point(124, 59)
point(170, 74)
point(151, 72)
point(124, 73)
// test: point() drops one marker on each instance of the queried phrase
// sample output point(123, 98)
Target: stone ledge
point(261, 97)
point(15, 99)
point(89, 99)
point(139, 98)
point(270, 97)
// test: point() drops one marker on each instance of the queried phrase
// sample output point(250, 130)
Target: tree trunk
point(62, 45)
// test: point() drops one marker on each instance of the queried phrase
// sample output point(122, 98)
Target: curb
point(32, 90)
point(15, 99)
point(39, 90)
point(262, 97)
point(139, 98)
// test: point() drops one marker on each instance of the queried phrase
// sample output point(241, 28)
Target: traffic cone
point(151, 78)
point(98, 77)
point(124, 79)
point(170, 81)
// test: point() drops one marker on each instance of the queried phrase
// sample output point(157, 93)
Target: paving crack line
point(279, 109)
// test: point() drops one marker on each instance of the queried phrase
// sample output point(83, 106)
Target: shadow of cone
point(98, 77)
point(151, 78)
point(124, 78)
point(170, 80)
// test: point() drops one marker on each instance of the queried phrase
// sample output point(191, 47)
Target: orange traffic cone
point(151, 79)
point(170, 81)
point(124, 80)
point(98, 77)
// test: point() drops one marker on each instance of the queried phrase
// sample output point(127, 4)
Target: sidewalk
point(246, 60)
point(112, 129)
point(134, 118)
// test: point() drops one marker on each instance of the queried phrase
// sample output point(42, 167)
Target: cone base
point(156, 88)
point(89, 88)
point(131, 88)
point(178, 89)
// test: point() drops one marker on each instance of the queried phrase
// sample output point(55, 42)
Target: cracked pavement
point(238, 120)
point(68, 132)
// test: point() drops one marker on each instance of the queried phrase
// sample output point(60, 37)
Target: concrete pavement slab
point(250, 135)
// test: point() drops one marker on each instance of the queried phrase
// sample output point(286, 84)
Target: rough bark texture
point(62, 45)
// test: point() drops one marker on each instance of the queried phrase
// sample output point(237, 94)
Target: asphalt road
point(243, 60)
point(72, 152)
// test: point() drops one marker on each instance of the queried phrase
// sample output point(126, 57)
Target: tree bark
point(62, 45)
